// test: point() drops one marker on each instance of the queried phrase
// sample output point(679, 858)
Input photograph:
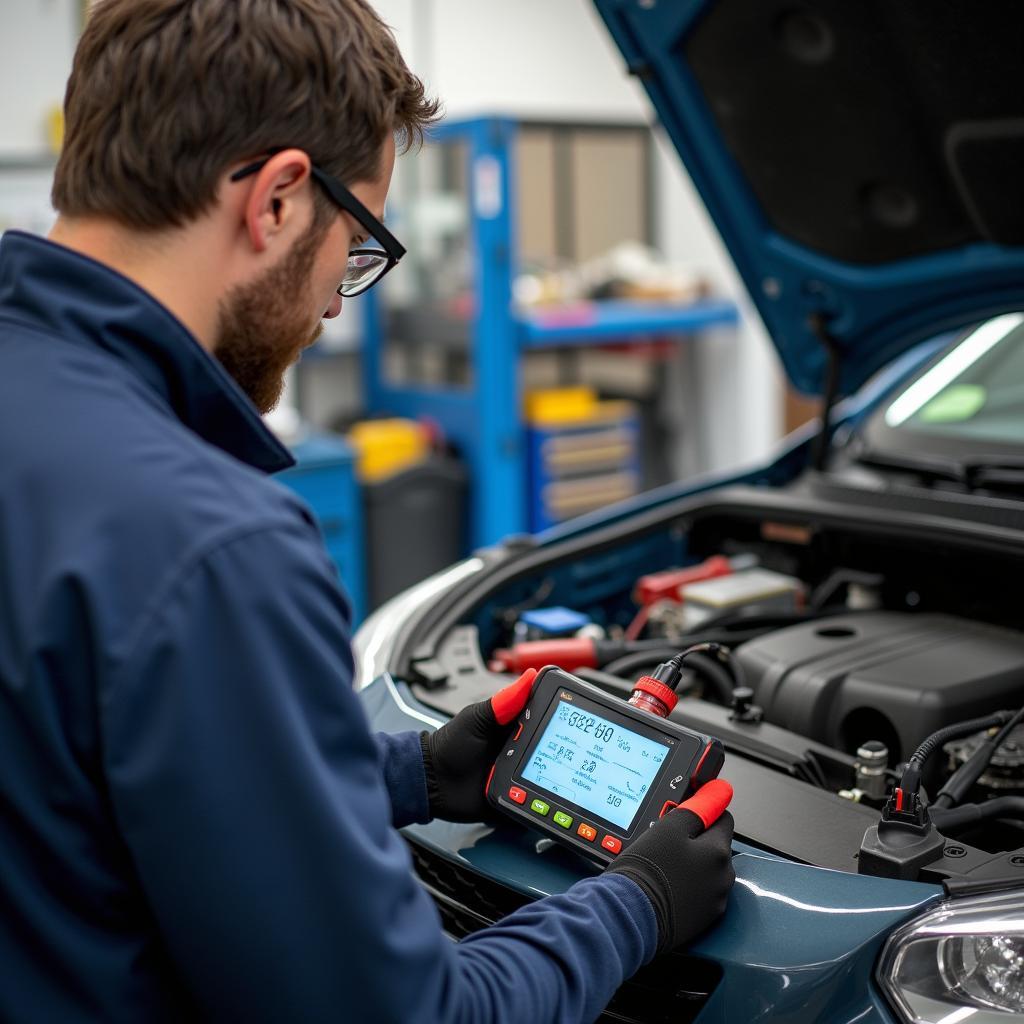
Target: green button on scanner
point(539, 807)
point(563, 819)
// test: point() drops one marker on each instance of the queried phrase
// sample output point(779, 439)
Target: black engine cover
point(889, 676)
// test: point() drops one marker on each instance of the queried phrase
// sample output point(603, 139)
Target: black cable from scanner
point(705, 663)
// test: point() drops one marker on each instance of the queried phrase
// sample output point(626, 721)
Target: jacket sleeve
point(401, 758)
point(249, 791)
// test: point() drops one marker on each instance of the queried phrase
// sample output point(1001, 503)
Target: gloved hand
point(459, 756)
point(684, 864)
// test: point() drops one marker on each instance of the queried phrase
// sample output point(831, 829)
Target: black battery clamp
point(594, 772)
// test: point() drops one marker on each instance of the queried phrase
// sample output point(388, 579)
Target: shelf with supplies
point(618, 321)
point(444, 339)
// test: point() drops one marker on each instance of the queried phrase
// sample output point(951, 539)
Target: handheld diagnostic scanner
point(594, 771)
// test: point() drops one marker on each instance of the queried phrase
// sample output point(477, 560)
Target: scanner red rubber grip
point(508, 702)
point(709, 801)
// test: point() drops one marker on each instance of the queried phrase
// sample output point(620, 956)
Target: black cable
point(629, 664)
point(713, 672)
point(905, 804)
point(955, 819)
point(959, 784)
point(827, 591)
point(508, 616)
point(735, 628)
point(1012, 724)
point(730, 629)
point(636, 654)
point(955, 732)
point(765, 622)
point(833, 366)
point(668, 672)
point(739, 673)
point(721, 635)
point(817, 772)
point(705, 658)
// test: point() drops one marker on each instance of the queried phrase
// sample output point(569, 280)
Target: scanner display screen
point(595, 762)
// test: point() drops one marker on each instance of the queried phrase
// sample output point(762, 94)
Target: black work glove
point(458, 757)
point(684, 865)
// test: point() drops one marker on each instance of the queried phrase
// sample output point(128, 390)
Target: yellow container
point(553, 406)
point(385, 447)
point(55, 128)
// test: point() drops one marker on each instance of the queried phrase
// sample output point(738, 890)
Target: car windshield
point(966, 405)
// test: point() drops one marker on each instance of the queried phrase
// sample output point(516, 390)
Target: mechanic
point(195, 820)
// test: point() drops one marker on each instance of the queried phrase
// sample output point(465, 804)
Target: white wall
point(545, 58)
point(734, 386)
point(37, 41)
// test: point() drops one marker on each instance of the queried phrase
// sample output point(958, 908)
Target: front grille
point(670, 990)
point(466, 901)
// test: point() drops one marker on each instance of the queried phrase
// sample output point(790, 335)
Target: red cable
point(636, 627)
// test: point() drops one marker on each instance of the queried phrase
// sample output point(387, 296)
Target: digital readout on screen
point(595, 763)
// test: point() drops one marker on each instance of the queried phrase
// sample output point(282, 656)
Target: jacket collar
point(85, 302)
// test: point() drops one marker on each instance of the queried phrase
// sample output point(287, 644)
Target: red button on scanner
point(667, 806)
point(517, 795)
point(611, 844)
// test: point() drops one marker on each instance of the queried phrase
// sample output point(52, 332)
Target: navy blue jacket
point(195, 820)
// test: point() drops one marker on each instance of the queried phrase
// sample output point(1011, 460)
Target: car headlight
point(963, 961)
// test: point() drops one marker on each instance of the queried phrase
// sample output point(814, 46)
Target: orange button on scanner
point(587, 832)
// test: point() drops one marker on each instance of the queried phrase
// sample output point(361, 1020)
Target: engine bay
point(837, 650)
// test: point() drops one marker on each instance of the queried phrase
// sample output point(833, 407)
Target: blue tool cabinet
point(324, 477)
point(484, 421)
point(575, 466)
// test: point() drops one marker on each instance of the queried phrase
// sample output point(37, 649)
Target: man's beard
point(259, 334)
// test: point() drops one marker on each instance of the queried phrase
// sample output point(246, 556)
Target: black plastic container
point(415, 523)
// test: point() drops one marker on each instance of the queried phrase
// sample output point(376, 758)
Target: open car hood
point(864, 161)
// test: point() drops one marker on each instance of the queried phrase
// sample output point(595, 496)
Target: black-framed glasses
point(366, 264)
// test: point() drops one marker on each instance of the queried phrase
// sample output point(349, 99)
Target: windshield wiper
point(996, 473)
point(1000, 473)
point(920, 465)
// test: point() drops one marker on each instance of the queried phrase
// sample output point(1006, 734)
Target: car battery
point(763, 589)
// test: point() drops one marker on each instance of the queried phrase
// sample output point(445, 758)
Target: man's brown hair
point(165, 95)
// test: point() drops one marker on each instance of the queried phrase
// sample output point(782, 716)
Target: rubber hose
point(712, 671)
point(956, 819)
